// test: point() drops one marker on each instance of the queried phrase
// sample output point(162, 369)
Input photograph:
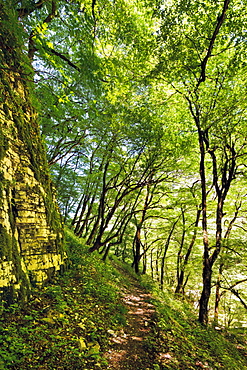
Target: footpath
point(132, 348)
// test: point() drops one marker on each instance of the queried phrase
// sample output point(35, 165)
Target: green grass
point(183, 343)
point(65, 325)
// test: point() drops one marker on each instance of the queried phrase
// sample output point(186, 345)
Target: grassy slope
point(185, 344)
point(66, 324)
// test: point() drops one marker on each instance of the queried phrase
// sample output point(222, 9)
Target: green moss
point(4, 145)
point(11, 35)
point(54, 219)
point(1, 187)
point(21, 276)
point(28, 133)
point(18, 102)
point(6, 110)
point(9, 250)
point(5, 244)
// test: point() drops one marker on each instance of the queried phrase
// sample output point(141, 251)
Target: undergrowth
point(183, 343)
point(67, 324)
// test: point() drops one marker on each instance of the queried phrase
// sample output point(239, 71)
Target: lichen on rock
point(31, 233)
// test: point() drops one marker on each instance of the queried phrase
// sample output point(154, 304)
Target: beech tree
point(203, 61)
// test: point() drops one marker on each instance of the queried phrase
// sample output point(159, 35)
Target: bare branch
point(219, 23)
point(63, 57)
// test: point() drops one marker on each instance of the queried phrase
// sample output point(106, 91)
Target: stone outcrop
point(31, 237)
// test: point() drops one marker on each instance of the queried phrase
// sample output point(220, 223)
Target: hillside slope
point(101, 316)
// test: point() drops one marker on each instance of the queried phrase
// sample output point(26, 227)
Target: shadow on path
point(131, 348)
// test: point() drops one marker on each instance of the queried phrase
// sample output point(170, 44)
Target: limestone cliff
point(30, 226)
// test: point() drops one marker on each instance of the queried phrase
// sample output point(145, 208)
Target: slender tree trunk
point(180, 267)
point(218, 282)
point(137, 239)
point(75, 221)
point(151, 264)
point(106, 251)
point(217, 295)
point(137, 244)
point(203, 140)
point(101, 215)
point(137, 249)
point(180, 282)
point(206, 291)
point(144, 269)
point(84, 225)
point(162, 271)
point(207, 268)
point(157, 265)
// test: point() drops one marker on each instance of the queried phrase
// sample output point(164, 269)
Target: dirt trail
point(131, 348)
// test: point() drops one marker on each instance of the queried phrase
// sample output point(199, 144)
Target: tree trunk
point(158, 253)
point(162, 272)
point(151, 265)
point(180, 279)
point(137, 249)
point(218, 282)
point(206, 291)
point(137, 239)
point(217, 295)
point(180, 265)
point(144, 268)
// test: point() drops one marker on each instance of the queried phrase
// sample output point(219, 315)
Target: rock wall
point(31, 237)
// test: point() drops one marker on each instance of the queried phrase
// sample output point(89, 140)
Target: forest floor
point(99, 316)
point(178, 343)
point(132, 347)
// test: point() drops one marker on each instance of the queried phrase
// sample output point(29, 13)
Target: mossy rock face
point(4, 145)
point(31, 232)
point(5, 244)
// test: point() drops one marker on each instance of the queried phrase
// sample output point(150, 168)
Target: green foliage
point(122, 89)
point(65, 324)
point(188, 344)
point(96, 275)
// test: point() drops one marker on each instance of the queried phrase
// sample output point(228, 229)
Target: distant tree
point(203, 60)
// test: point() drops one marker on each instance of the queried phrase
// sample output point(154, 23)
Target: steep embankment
point(97, 316)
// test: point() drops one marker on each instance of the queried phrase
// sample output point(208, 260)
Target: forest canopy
point(142, 107)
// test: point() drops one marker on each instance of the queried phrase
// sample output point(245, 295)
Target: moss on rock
point(5, 244)
point(4, 144)
point(31, 229)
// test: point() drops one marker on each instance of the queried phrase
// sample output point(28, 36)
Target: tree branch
point(227, 233)
point(219, 23)
point(236, 293)
point(23, 12)
point(93, 12)
point(31, 46)
point(63, 57)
